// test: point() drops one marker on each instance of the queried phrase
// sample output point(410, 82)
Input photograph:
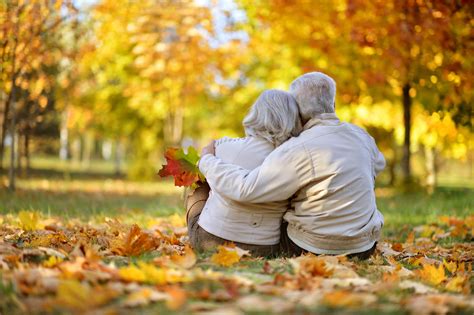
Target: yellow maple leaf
point(75, 295)
point(225, 256)
point(456, 284)
point(450, 266)
point(29, 220)
point(132, 273)
point(52, 261)
point(153, 274)
point(432, 274)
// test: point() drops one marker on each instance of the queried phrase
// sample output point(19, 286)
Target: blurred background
point(92, 92)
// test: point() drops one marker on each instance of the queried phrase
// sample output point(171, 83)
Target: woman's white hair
point(315, 93)
point(274, 116)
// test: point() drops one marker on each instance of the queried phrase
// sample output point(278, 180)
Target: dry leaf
point(177, 297)
point(187, 260)
point(29, 220)
point(348, 299)
point(432, 274)
point(144, 296)
point(226, 256)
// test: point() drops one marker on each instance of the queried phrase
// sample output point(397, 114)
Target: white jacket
point(257, 224)
point(328, 172)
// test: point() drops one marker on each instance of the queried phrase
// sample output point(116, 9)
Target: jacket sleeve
point(379, 160)
point(275, 180)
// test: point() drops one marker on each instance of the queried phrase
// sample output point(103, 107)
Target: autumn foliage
point(49, 264)
point(182, 166)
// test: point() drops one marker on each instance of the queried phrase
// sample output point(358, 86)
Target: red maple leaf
point(182, 166)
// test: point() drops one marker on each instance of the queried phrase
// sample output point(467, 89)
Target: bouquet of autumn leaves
point(182, 166)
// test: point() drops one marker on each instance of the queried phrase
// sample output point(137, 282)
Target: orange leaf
point(187, 260)
point(135, 242)
point(177, 298)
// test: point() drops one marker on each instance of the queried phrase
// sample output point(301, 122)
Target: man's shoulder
point(291, 146)
point(360, 131)
point(355, 128)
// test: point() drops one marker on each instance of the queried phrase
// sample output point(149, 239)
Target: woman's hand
point(209, 149)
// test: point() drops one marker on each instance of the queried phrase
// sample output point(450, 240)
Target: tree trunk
point(173, 130)
point(406, 169)
point(87, 150)
point(6, 113)
point(12, 173)
point(26, 151)
point(118, 157)
point(64, 136)
point(431, 169)
point(19, 154)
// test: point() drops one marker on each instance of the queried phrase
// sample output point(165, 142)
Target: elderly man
point(327, 172)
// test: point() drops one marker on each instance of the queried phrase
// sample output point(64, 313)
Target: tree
point(28, 28)
point(416, 49)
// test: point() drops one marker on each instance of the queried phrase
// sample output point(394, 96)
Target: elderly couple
point(300, 181)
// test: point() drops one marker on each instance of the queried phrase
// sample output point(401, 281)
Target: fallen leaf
point(144, 296)
point(347, 299)
point(135, 242)
point(456, 284)
point(29, 220)
point(177, 297)
point(187, 260)
point(311, 265)
point(432, 274)
point(226, 256)
point(419, 288)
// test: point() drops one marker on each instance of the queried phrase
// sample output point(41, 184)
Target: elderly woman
point(213, 219)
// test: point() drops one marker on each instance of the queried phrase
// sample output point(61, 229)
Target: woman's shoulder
point(248, 152)
point(225, 140)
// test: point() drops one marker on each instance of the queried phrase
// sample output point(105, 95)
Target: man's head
point(315, 94)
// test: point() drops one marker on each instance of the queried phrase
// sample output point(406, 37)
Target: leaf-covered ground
point(131, 260)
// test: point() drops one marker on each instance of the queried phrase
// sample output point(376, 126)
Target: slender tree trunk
point(19, 154)
point(12, 173)
point(406, 169)
point(6, 113)
point(173, 131)
point(64, 136)
point(118, 157)
point(88, 150)
point(431, 169)
point(26, 151)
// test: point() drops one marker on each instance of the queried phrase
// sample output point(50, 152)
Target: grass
point(97, 194)
point(56, 189)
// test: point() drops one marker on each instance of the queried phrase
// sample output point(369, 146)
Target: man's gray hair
point(274, 116)
point(315, 93)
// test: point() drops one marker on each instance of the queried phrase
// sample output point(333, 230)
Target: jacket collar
point(322, 119)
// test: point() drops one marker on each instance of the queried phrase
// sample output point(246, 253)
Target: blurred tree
point(28, 30)
point(416, 50)
point(149, 67)
point(381, 53)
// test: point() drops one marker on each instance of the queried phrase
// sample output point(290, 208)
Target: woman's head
point(274, 116)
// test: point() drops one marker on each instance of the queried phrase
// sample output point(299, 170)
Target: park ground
point(76, 242)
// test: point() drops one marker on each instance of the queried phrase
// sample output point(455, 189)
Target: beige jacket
point(257, 224)
point(328, 172)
